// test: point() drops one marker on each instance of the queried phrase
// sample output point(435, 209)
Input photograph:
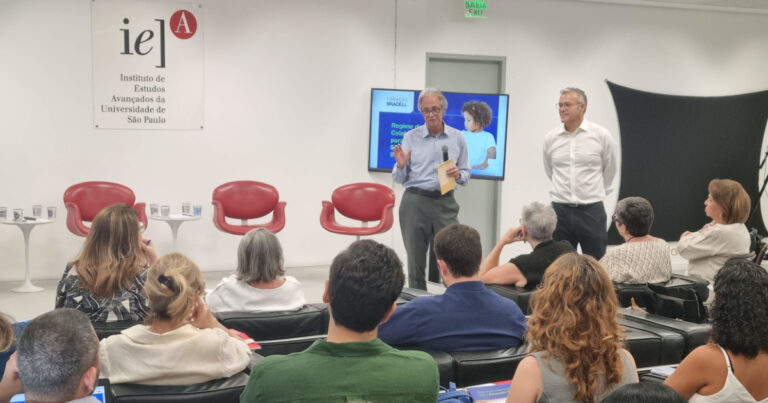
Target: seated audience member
point(725, 237)
point(106, 280)
point(642, 258)
point(9, 336)
point(576, 346)
point(181, 343)
point(732, 367)
point(352, 364)
point(58, 358)
point(644, 392)
point(260, 283)
point(10, 384)
point(467, 316)
point(536, 228)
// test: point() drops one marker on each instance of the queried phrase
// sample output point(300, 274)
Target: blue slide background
point(394, 113)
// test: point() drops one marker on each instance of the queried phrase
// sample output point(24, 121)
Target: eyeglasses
point(616, 219)
point(566, 105)
point(432, 111)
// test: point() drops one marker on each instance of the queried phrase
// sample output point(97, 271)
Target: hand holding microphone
point(453, 171)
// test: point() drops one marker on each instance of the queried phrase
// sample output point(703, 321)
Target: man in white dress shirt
point(580, 160)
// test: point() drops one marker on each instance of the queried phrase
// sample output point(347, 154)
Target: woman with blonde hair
point(576, 347)
point(106, 280)
point(724, 237)
point(181, 341)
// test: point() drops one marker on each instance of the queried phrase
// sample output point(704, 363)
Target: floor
point(22, 306)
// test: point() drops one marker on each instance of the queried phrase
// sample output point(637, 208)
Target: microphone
point(445, 153)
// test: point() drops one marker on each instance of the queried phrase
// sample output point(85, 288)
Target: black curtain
point(673, 145)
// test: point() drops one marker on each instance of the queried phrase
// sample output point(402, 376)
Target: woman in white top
point(734, 366)
point(182, 343)
point(642, 258)
point(260, 283)
point(725, 237)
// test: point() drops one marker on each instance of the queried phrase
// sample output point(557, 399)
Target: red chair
point(359, 201)
point(247, 200)
point(85, 200)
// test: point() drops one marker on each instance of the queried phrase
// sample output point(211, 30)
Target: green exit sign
point(475, 9)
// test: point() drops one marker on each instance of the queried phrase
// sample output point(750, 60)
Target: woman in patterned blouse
point(642, 258)
point(106, 280)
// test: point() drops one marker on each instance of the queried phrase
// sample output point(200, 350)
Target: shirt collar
point(467, 286)
point(583, 127)
point(426, 133)
point(142, 335)
point(547, 242)
point(351, 349)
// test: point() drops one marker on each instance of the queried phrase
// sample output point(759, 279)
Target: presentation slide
point(395, 112)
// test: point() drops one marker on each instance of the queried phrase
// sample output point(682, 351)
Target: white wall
point(287, 89)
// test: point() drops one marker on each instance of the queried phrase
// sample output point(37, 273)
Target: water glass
point(198, 210)
point(3, 213)
point(153, 209)
point(51, 212)
point(186, 209)
point(18, 214)
point(37, 211)
point(165, 210)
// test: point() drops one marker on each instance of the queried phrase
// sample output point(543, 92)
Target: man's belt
point(435, 194)
point(574, 205)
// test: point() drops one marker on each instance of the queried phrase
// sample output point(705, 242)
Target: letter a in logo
point(183, 24)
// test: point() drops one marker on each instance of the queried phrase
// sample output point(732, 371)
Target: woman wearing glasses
point(106, 280)
point(724, 237)
point(642, 258)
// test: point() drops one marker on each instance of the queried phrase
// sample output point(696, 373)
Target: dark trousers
point(421, 217)
point(582, 224)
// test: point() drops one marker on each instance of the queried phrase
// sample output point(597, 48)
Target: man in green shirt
point(352, 365)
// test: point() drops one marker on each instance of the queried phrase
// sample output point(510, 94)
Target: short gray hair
point(578, 91)
point(259, 257)
point(636, 213)
point(540, 220)
point(54, 352)
point(436, 92)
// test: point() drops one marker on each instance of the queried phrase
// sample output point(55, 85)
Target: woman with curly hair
point(106, 280)
point(577, 352)
point(732, 367)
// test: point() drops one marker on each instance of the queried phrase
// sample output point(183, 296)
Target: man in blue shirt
point(468, 316)
point(423, 210)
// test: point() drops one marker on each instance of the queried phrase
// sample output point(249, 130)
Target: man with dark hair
point(468, 316)
point(580, 160)
point(352, 364)
point(58, 358)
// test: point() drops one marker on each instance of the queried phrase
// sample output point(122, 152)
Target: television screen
point(395, 112)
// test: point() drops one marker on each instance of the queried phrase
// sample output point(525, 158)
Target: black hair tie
point(168, 282)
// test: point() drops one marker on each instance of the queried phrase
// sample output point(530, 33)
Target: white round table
point(26, 228)
point(174, 221)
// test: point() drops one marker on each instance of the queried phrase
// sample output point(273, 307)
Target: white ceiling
point(740, 6)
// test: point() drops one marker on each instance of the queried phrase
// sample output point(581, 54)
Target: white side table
point(175, 220)
point(26, 229)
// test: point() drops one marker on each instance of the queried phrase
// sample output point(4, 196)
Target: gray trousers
point(421, 217)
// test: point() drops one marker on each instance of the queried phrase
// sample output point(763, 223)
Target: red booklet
point(249, 341)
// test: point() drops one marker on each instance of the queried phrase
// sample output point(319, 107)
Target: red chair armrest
point(141, 210)
point(75, 221)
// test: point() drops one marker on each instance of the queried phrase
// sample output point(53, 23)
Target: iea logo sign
point(147, 65)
